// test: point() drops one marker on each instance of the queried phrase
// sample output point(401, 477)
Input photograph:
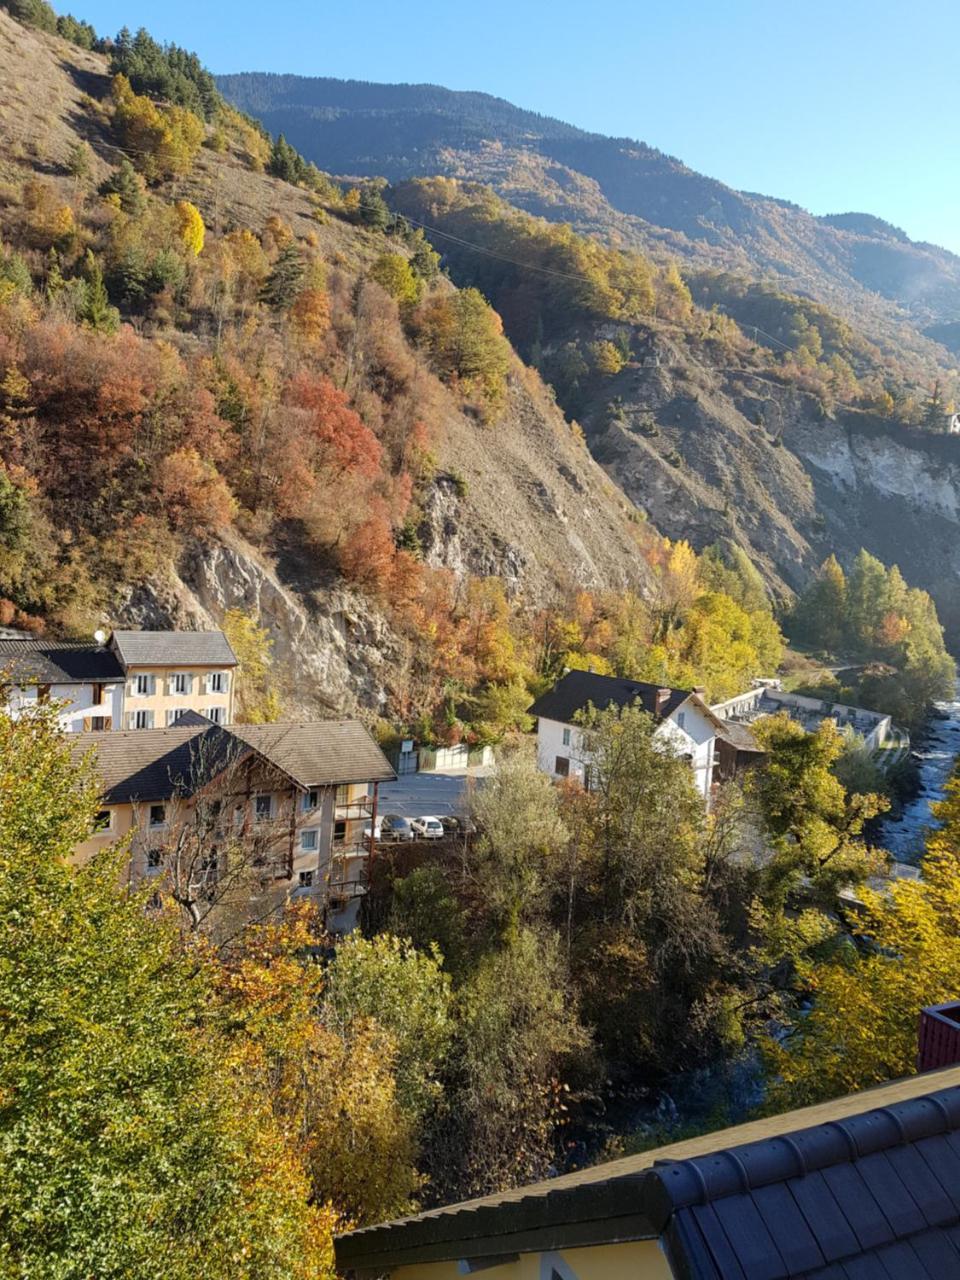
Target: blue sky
point(838, 106)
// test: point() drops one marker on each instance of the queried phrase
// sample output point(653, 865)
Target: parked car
point(428, 828)
point(454, 826)
point(390, 826)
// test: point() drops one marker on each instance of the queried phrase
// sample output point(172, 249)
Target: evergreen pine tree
point(283, 283)
point(373, 211)
point(128, 185)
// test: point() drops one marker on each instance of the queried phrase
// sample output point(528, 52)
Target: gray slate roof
point(57, 662)
point(173, 649)
point(577, 690)
point(155, 764)
point(866, 1187)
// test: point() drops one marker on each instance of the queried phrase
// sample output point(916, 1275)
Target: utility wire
point(492, 253)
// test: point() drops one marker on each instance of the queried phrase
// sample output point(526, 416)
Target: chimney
point(661, 699)
point(700, 690)
point(939, 1038)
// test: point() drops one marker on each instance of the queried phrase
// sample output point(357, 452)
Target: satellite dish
point(100, 636)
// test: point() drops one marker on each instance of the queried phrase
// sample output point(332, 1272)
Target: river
point(935, 754)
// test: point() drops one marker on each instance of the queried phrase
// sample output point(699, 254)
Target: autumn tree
point(163, 140)
point(393, 272)
point(464, 339)
point(257, 698)
point(190, 228)
point(861, 1028)
point(125, 1112)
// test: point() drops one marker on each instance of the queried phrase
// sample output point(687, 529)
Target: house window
point(99, 690)
point(263, 808)
point(143, 719)
point(339, 832)
point(562, 767)
point(343, 794)
point(141, 686)
point(43, 693)
point(173, 715)
point(306, 879)
point(103, 821)
point(309, 841)
point(681, 718)
point(158, 815)
point(217, 682)
point(154, 859)
point(100, 723)
point(216, 714)
point(566, 737)
point(311, 799)
point(182, 683)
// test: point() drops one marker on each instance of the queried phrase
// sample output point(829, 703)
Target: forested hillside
point(206, 364)
point(620, 189)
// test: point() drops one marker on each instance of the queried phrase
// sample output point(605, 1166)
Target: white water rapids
point(936, 754)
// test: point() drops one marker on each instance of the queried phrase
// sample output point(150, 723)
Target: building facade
point(138, 680)
point(256, 814)
point(684, 721)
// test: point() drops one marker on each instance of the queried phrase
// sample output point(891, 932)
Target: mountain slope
point(860, 266)
point(164, 454)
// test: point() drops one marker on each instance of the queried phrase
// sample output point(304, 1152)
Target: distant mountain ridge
point(895, 289)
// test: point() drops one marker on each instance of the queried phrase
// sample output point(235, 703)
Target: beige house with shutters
point(169, 672)
point(136, 680)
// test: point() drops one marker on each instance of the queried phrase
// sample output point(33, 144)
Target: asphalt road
point(432, 795)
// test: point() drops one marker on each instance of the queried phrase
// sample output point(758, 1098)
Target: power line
point(492, 253)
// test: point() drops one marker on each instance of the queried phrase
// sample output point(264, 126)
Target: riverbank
point(935, 751)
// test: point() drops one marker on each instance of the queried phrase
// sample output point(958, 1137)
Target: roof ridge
point(678, 1184)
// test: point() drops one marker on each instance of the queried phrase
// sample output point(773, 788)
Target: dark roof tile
point(577, 690)
point(58, 662)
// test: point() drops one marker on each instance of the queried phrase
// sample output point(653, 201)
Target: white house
point(137, 680)
point(684, 720)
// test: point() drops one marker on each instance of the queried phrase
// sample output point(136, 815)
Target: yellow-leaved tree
point(190, 228)
point(862, 1028)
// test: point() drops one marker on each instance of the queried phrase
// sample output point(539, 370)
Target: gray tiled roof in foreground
point(173, 649)
point(866, 1187)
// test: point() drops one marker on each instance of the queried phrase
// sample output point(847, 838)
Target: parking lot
point(436, 794)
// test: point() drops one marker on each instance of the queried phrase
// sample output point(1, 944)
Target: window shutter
point(132, 687)
point(171, 684)
point(207, 683)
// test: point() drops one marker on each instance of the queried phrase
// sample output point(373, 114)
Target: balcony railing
point(355, 809)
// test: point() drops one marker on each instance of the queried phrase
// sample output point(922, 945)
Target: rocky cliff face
point(713, 454)
point(333, 651)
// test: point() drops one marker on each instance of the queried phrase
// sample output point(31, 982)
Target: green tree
point(284, 282)
point(372, 211)
point(393, 272)
point(519, 854)
point(286, 162)
point(815, 827)
point(128, 185)
point(94, 309)
point(129, 1144)
point(517, 1030)
point(820, 615)
point(406, 992)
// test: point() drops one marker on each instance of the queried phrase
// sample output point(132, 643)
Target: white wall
point(688, 730)
point(75, 702)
